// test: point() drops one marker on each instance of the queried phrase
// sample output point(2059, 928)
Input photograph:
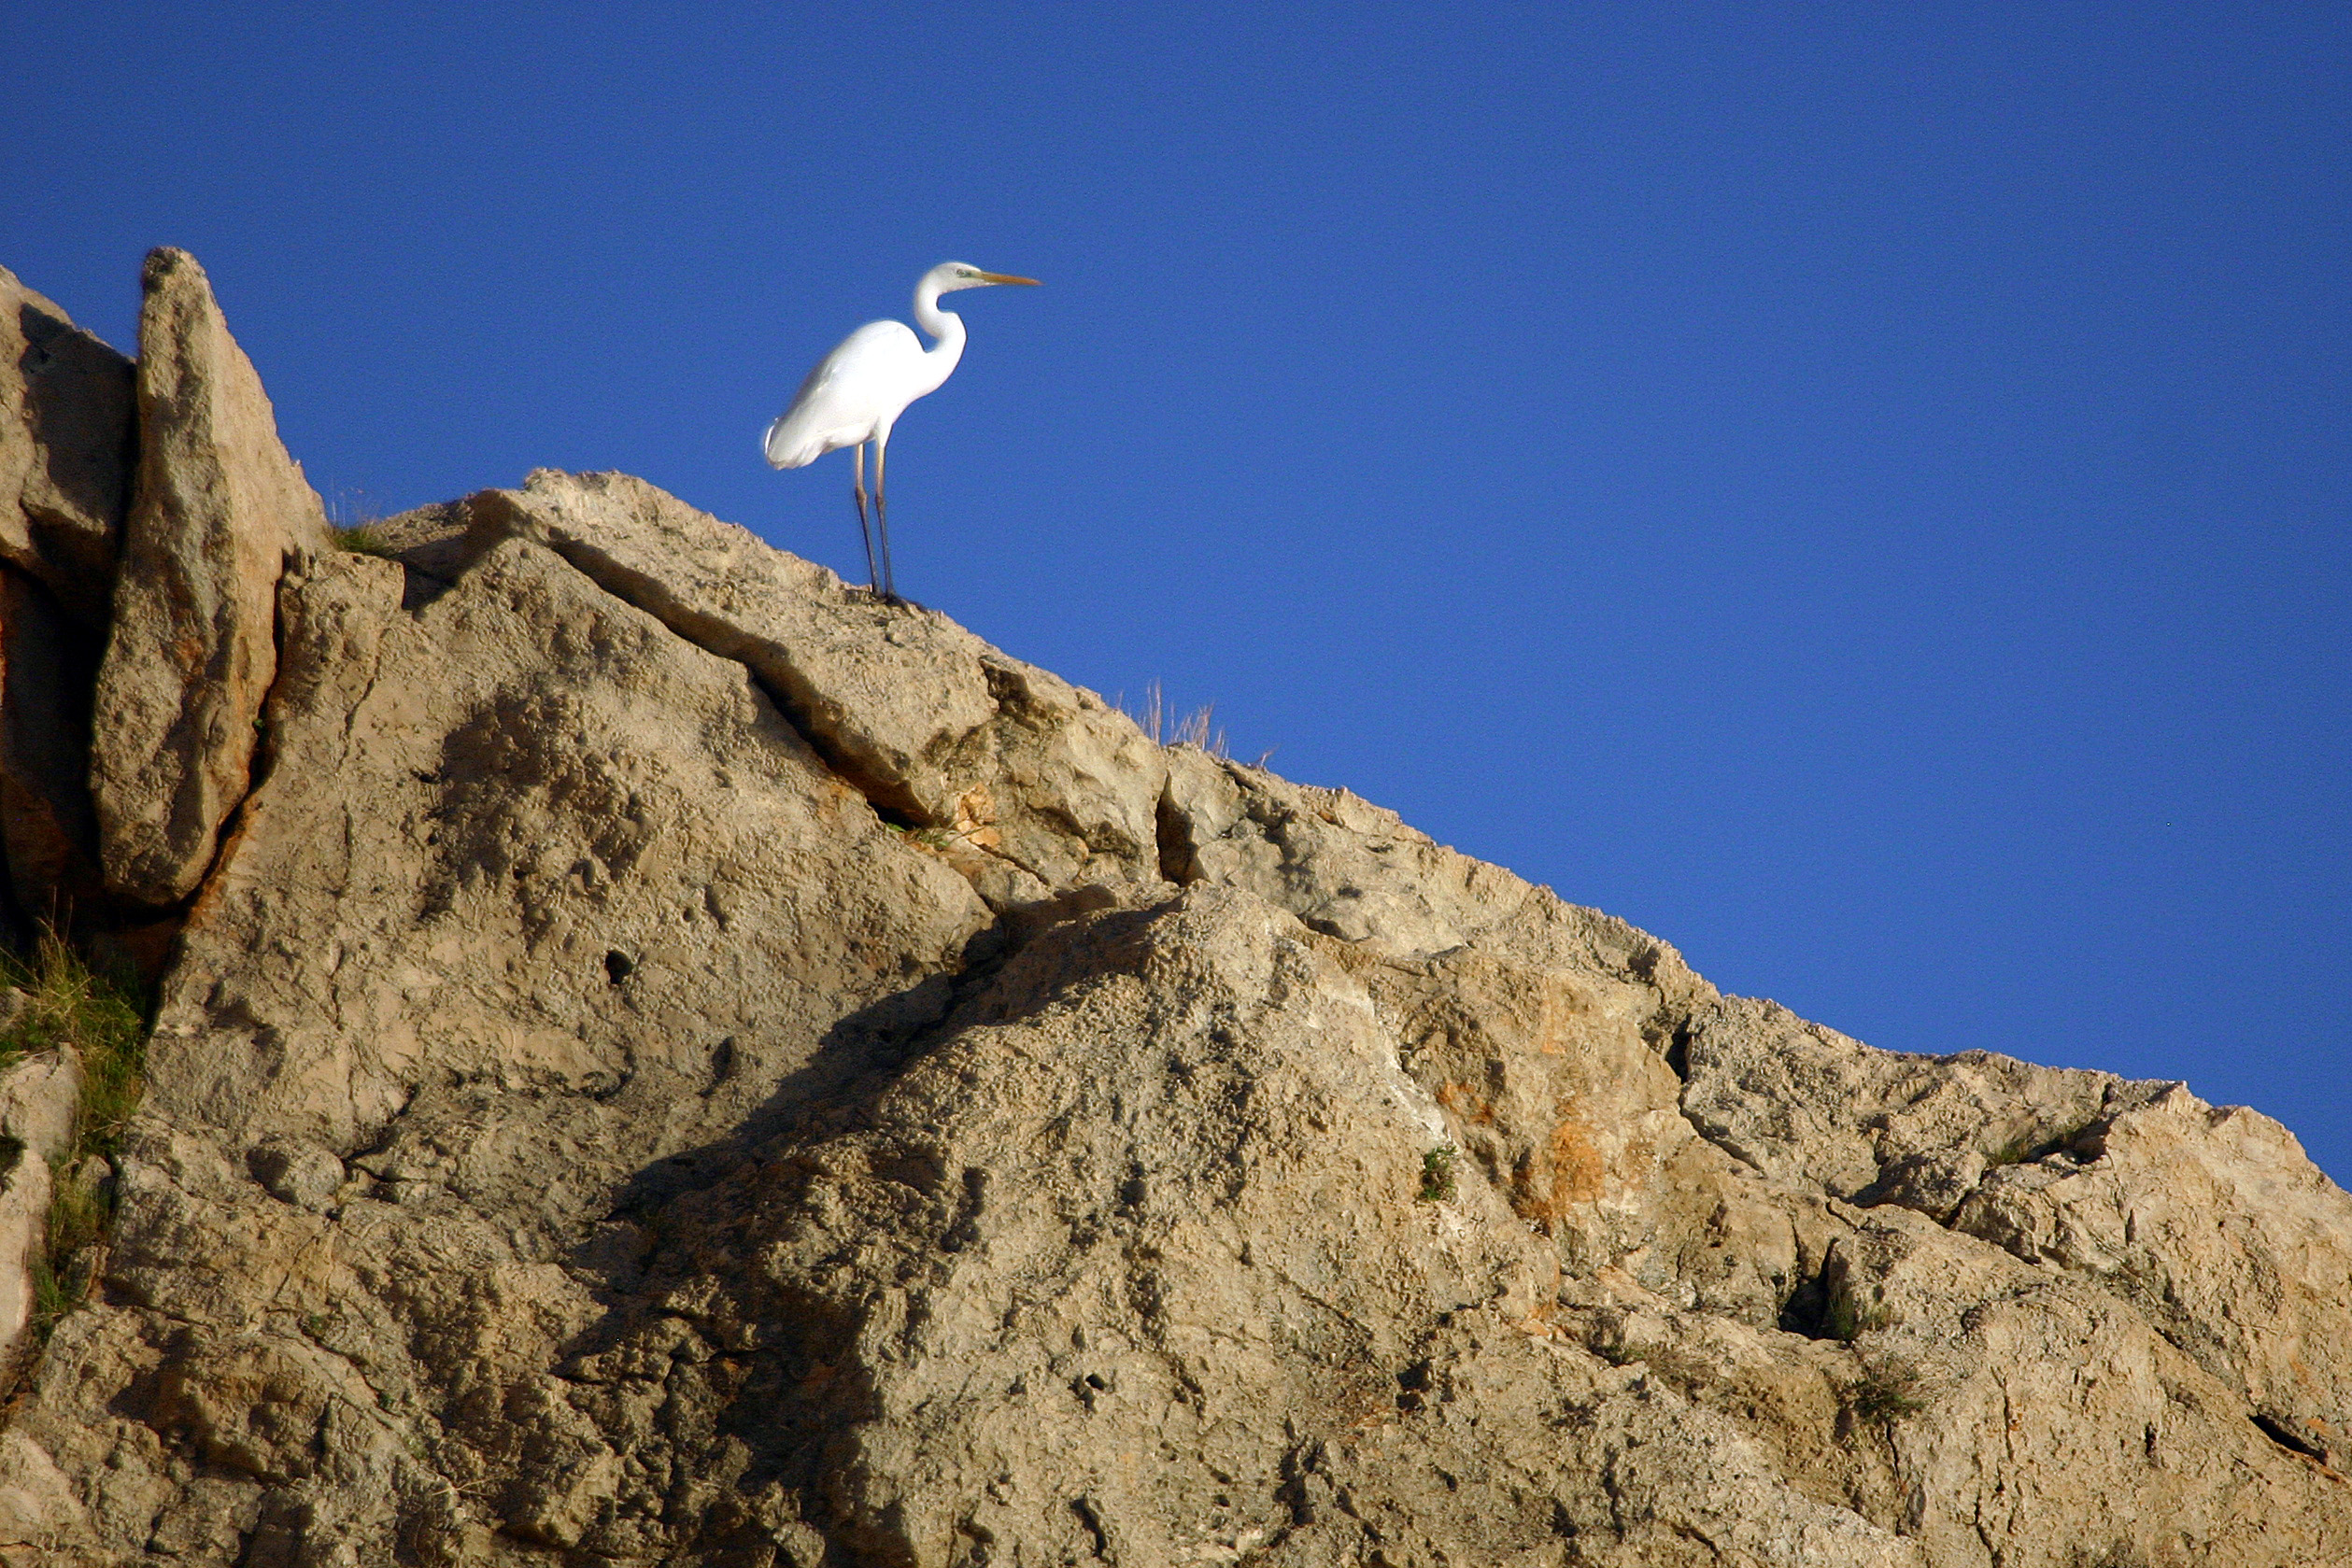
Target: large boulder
point(219, 511)
point(65, 456)
point(67, 444)
point(538, 903)
point(1030, 783)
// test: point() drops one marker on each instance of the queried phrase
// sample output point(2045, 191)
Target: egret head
point(953, 276)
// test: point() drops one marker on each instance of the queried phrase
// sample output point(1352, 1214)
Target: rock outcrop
point(674, 1060)
point(217, 512)
point(66, 449)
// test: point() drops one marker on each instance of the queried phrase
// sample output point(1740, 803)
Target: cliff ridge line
point(662, 1057)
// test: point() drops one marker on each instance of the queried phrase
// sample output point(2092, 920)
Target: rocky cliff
point(659, 1057)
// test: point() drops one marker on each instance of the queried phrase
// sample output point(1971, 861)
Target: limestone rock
point(2217, 1228)
point(2033, 1419)
point(1184, 1108)
point(219, 508)
point(529, 838)
point(1344, 865)
point(1804, 1104)
point(39, 1511)
point(678, 1062)
point(65, 452)
point(590, 1117)
point(37, 1099)
point(1039, 784)
point(557, 898)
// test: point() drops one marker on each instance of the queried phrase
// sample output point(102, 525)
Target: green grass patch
point(100, 1018)
point(2015, 1151)
point(1887, 1395)
point(365, 539)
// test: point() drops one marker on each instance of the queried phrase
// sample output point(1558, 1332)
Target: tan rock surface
point(2216, 1227)
point(677, 1062)
point(37, 1099)
point(39, 1511)
point(2212, 1223)
point(1806, 1104)
point(1042, 785)
point(65, 452)
point(2036, 1419)
point(219, 510)
point(65, 455)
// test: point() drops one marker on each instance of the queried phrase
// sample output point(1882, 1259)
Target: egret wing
point(846, 396)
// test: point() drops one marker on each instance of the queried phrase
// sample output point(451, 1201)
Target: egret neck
point(939, 360)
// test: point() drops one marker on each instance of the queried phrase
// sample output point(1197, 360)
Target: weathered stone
point(37, 1100)
point(65, 452)
point(681, 1063)
point(2031, 1418)
point(1347, 868)
point(556, 897)
point(295, 1170)
point(996, 758)
point(219, 510)
point(1806, 1104)
point(65, 443)
point(39, 1515)
point(2214, 1224)
point(1184, 1109)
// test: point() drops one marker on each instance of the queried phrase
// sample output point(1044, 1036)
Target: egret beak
point(1004, 277)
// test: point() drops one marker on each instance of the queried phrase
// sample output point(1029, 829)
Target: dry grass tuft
point(1197, 728)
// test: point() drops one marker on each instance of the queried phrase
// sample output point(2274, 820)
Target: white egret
point(859, 390)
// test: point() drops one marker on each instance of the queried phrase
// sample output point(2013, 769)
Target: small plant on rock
point(1886, 1394)
point(364, 538)
point(353, 523)
point(1848, 1320)
point(1197, 728)
point(1437, 1175)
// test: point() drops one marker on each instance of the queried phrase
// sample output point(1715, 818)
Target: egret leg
point(858, 489)
point(882, 520)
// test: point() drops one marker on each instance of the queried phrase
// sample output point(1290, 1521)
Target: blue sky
point(1861, 492)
